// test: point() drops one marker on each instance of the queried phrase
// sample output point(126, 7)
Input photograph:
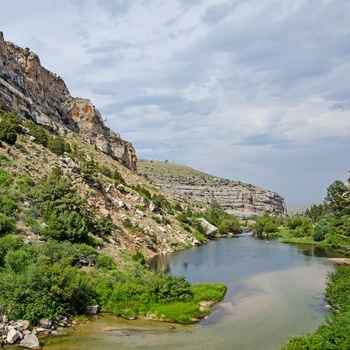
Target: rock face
point(37, 94)
point(241, 200)
point(238, 198)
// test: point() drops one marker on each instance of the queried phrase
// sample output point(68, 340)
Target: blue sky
point(250, 90)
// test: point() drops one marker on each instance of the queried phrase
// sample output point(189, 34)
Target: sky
point(249, 90)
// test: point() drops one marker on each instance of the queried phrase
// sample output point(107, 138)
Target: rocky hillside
point(144, 216)
point(37, 94)
point(102, 167)
point(237, 198)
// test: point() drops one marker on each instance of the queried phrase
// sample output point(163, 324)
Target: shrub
point(105, 262)
point(138, 256)
point(265, 225)
point(9, 243)
point(58, 145)
point(118, 177)
point(37, 131)
point(104, 226)
point(10, 125)
point(7, 224)
point(320, 230)
point(5, 178)
point(230, 225)
point(66, 225)
point(63, 210)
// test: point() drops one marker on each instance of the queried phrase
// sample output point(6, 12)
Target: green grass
point(206, 291)
point(287, 237)
point(188, 312)
point(177, 312)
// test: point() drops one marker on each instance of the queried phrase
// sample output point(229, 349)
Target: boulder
point(13, 335)
point(210, 229)
point(23, 325)
point(45, 323)
point(92, 309)
point(29, 341)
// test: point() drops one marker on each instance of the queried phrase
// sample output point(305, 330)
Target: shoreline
point(345, 261)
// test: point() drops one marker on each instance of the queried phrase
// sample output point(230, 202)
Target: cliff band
point(37, 94)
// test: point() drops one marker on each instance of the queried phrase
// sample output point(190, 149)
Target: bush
point(7, 225)
point(104, 226)
point(320, 230)
point(58, 145)
point(37, 131)
point(63, 210)
point(105, 262)
point(138, 256)
point(10, 125)
point(230, 225)
point(118, 177)
point(66, 225)
point(302, 230)
point(9, 243)
point(265, 225)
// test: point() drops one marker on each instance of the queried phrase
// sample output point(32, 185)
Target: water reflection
point(160, 263)
point(317, 251)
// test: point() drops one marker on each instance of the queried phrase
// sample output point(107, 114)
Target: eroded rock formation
point(236, 197)
point(38, 94)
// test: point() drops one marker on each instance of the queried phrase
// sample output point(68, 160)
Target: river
point(274, 290)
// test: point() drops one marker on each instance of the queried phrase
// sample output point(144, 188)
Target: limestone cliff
point(237, 198)
point(38, 94)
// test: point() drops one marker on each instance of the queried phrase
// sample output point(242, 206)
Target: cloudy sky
point(250, 90)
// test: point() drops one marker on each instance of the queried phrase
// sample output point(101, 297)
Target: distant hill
point(300, 208)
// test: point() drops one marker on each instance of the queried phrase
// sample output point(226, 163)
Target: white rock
point(12, 336)
point(29, 341)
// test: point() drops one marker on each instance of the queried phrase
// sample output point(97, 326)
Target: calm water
point(274, 290)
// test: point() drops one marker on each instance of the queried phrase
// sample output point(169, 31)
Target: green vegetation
point(39, 281)
point(226, 223)
point(10, 126)
point(327, 224)
point(215, 215)
point(64, 272)
point(265, 225)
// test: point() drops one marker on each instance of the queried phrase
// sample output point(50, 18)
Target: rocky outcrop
point(242, 200)
point(37, 94)
point(238, 198)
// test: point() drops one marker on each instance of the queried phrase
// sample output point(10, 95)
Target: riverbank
point(345, 261)
point(21, 332)
point(273, 290)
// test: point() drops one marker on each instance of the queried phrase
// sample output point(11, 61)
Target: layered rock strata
point(38, 94)
point(236, 197)
point(239, 199)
